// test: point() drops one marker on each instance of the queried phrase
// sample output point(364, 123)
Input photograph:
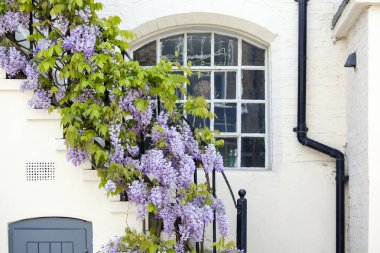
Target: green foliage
point(197, 190)
point(222, 245)
point(86, 122)
point(134, 241)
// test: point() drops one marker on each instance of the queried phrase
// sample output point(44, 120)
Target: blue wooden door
point(50, 235)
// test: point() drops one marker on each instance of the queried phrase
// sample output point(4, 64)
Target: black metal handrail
point(240, 205)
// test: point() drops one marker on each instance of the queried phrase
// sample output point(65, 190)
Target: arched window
point(230, 72)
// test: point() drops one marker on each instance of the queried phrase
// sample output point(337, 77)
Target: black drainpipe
point(301, 130)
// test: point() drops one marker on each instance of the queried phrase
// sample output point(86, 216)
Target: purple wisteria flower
point(142, 118)
point(61, 93)
point(191, 145)
point(117, 154)
point(154, 164)
point(76, 156)
point(176, 142)
point(169, 215)
point(41, 100)
point(221, 218)
point(159, 196)
point(112, 246)
point(61, 24)
point(84, 14)
point(32, 78)
point(161, 122)
point(10, 21)
point(137, 192)
point(82, 39)
point(110, 186)
point(87, 94)
point(212, 160)
point(11, 60)
point(232, 250)
point(10, 2)
point(186, 168)
point(192, 223)
point(133, 151)
point(42, 44)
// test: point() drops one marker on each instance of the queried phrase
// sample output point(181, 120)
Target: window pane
point(253, 84)
point(252, 152)
point(172, 45)
point(199, 49)
point(225, 120)
point(229, 152)
point(179, 108)
point(225, 85)
point(253, 118)
point(252, 55)
point(146, 55)
point(197, 122)
point(200, 85)
point(226, 51)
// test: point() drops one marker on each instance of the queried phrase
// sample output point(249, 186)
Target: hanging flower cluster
point(120, 117)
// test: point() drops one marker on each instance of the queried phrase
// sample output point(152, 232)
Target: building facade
point(290, 188)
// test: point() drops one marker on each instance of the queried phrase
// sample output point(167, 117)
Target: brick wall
point(357, 137)
point(292, 205)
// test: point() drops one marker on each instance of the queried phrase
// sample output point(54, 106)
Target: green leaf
point(141, 104)
point(79, 2)
point(94, 114)
point(152, 208)
point(103, 130)
point(57, 9)
point(54, 90)
point(100, 89)
point(153, 248)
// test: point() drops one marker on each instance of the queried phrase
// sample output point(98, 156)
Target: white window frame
point(238, 68)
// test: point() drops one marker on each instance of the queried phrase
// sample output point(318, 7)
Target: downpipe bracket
point(344, 179)
point(301, 129)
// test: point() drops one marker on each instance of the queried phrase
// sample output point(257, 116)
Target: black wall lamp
point(351, 61)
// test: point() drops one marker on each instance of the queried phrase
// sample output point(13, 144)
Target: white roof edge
point(349, 16)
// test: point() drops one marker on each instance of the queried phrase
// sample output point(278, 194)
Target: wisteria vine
point(118, 116)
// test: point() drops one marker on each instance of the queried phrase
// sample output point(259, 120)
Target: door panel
point(74, 239)
point(50, 235)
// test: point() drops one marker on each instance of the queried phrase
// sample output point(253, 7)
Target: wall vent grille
point(40, 171)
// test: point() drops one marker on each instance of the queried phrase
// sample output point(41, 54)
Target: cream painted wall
point(358, 30)
point(291, 206)
point(34, 136)
point(373, 128)
point(357, 137)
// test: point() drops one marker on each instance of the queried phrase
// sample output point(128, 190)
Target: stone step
point(39, 114)
point(60, 145)
point(115, 205)
point(90, 175)
point(10, 84)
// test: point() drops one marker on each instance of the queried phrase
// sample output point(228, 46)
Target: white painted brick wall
point(373, 128)
point(357, 137)
point(29, 135)
point(292, 206)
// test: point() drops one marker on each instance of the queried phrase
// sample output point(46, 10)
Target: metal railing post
point(241, 228)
